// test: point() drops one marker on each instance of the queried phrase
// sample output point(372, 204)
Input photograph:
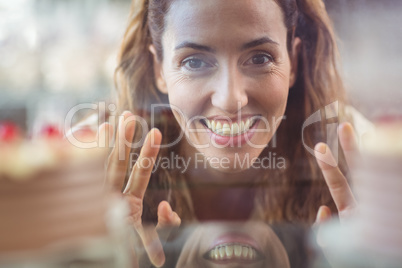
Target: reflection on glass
point(241, 75)
point(233, 244)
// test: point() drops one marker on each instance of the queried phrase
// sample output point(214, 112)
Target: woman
point(239, 79)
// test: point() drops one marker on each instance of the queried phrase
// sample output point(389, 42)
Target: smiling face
point(227, 72)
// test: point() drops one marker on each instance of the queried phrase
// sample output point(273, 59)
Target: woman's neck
point(222, 203)
point(199, 171)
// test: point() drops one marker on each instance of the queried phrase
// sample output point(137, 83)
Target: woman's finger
point(135, 191)
point(120, 155)
point(336, 182)
point(166, 216)
point(152, 244)
point(323, 215)
point(348, 141)
point(167, 220)
point(143, 167)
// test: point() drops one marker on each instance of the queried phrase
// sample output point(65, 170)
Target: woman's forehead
point(230, 20)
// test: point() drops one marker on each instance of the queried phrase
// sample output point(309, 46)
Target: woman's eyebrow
point(258, 42)
point(248, 45)
point(194, 46)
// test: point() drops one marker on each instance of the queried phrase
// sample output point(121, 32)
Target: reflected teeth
point(233, 251)
point(229, 130)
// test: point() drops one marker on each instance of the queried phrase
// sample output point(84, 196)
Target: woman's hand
point(138, 181)
point(336, 181)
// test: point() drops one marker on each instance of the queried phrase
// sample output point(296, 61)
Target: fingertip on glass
point(320, 148)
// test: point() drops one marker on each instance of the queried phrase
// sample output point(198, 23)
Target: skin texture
point(220, 77)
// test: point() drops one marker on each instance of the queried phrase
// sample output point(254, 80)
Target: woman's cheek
point(276, 90)
point(176, 79)
point(271, 102)
point(187, 94)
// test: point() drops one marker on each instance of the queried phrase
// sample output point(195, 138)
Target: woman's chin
point(224, 160)
point(232, 169)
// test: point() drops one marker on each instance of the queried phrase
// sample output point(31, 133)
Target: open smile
point(234, 248)
point(229, 128)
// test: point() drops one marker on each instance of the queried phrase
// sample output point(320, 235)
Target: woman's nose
point(230, 92)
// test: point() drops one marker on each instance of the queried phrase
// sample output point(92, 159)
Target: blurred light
point(14, 4)
point(31, 37)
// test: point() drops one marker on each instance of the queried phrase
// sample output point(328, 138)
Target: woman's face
point(227, 72)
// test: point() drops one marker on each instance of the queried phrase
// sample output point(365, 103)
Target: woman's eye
point(259, 59)
point(195, 64)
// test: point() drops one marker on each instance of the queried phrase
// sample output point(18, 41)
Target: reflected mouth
point(233, 252)
point(229, 129)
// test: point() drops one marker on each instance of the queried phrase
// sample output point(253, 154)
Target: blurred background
point(370, 35)
point(57, 53)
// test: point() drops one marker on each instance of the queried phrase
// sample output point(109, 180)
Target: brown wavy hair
point(292, 195)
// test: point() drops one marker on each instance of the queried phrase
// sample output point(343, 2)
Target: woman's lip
point(241, 262)
point(233, 140)
point(235, 238)
point(233, 119)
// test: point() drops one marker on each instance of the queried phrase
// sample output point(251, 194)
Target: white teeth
point(237, 250)
point(233, 251)
point(242, 128)
point(251, 254)
point(209, 124)
point(213, 127)
point(216, 254)
point(247, 124)
point(229, 251)
point(222, 252)
point(218, 128)
point(244, 252)
point(228, 129)
point(235, 129)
